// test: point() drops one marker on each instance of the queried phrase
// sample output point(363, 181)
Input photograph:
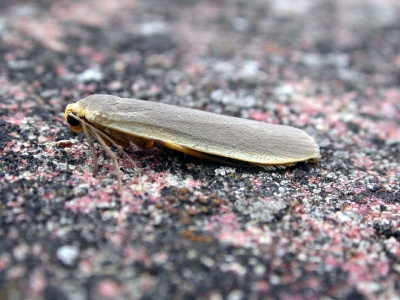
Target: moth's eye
point(72, 121)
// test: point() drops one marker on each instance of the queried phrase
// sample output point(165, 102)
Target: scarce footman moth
point(122, 121)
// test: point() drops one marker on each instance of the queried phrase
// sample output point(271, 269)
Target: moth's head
point(72, 119)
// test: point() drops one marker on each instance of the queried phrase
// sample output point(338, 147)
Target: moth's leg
point(116, 140)
point(110, 153)
point(142, 142)
point(91, 144)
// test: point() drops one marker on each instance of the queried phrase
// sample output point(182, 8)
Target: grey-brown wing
point(219, 135)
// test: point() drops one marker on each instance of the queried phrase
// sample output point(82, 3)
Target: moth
point(224, 139)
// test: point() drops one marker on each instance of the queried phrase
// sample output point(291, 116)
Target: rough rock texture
point(201, 229)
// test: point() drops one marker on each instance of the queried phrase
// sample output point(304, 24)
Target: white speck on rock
point(224, 170)
point(68, 255)
point(153, 28)
point(236, 295)
point(93, 74)
point(224, 67)
point(250, 69)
